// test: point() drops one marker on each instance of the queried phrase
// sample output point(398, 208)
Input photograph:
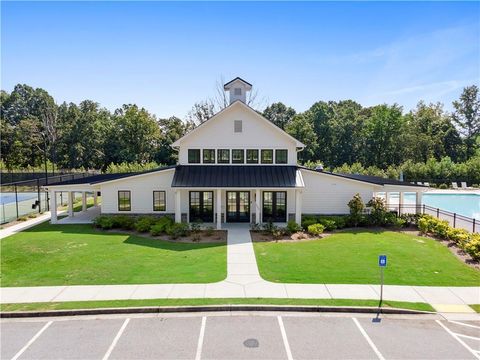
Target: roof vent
point(319, 167)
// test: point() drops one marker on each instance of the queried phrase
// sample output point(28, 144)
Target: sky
point(166, 56)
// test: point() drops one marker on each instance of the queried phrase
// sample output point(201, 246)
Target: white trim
point(231, 106)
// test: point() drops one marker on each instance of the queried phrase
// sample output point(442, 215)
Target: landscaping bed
point(82, 255)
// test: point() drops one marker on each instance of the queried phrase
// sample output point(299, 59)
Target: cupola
point(238, 89)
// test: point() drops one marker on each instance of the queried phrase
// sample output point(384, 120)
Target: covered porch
point(402, 199)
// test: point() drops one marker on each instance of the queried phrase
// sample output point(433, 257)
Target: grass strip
point(197, 302)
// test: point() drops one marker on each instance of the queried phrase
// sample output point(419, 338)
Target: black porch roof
point(272, 176)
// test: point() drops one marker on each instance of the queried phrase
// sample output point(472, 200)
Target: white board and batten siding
point(328, 194)
point(218, 133)
point(141, 192)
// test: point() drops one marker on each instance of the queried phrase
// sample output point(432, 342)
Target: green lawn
point(197, 302)
point(80, 255)
point(351, 257)
point(476, 307)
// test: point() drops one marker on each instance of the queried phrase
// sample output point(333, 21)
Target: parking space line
point(370, 342)
point(284, 337)
point(473, 352)
point(463, 324)
point(467, 336)
point(115, 340)
point(200, 338)
point(32, 340)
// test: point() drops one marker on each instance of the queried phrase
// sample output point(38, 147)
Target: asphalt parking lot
point(239, 336)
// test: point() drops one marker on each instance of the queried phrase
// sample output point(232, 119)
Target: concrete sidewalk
point(24, 225)
point(244, 281)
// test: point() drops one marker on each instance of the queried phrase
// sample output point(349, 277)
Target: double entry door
point(201, 206)
point(238, 206)
point(274, 206)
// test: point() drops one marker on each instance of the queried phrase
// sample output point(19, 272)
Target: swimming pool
point(463, 204)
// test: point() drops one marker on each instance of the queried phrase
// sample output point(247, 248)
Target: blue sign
point(382, 260)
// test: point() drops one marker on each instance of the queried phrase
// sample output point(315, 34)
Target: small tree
point(378, 212)
point(356, 209)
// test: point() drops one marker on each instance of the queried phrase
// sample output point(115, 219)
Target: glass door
point(238, 206)
point(201, 206)
point(274, 206)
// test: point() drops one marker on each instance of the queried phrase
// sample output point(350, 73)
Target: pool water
point(463, 204)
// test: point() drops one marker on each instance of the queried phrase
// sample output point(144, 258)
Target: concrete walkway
point(244, 281)
point(24, 225)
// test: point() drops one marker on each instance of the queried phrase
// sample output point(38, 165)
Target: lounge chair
point(455, 185)
point(426, 184)
point(419, 183)
point(464, 185)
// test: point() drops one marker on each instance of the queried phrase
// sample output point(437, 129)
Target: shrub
point(32, 216)
point(255, 227)
point(293, 227)
point(269, 227)
point(410, 219)
point(328, 224)
point(144, 223)
point(104, 222)
point(177, 230)
point(307, 221)
point(123, 222)
point(472, 247)
point(378, 212)
point(209, 230)
point(443, 186)
point(395, 221)
point(356, 209)
point(157, 229)
point(316, 229)
point(195, 226)
point(424, 225)
point(459, 236)
point(22, 218)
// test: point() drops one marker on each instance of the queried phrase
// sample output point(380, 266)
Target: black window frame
point(197, 151)
point(238, 161)
point(219, 158)
point(252, 161)
point(263, 151)
point(124, 192)
point(164, 200)
point(276, 156)
point(212, 152)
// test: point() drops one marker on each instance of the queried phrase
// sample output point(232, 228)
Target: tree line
point(342, 135)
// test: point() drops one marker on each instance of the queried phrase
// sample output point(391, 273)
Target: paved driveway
point(239, 336)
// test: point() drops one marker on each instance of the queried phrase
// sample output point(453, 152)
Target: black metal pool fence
point(22, 198)
point(455, 220)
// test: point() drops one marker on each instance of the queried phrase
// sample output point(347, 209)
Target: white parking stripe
point(370, 342)
point(32, 340)
point(200, 338)
point(284, 337)
point(467, 336)
point(117, 337)
point(463, 324)
point(458, 339)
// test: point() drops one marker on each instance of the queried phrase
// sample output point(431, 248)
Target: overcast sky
point(166, 56)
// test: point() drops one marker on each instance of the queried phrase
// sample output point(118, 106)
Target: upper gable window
point(208, 156)
point(267, 156)
point(252, 156)
point(281, 156)
point(194, 156)
point(238, 91)
point(237, 126)
point(237, 156)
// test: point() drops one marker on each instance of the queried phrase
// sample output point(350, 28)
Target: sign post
point(382, 262)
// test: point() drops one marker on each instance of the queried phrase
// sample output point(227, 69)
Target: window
point(124, 200)
point(252, 156)
point(194, 156)
point(223, 156)
point(237, 126)
point(237, 156)
point(267, 156)
point(208, 156)
point(159, 202)
point(238, 91)
point(281, 156)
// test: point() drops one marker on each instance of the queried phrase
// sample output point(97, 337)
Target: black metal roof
point(94, 179)
point(377, 180)
point(234, 176)
point(237, 78)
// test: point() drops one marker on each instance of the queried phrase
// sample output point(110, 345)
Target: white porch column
point(71, 199)
point(95, 199)
point(258, 217)
point(53, 207)
point(401, 202)
point(178, 206)
point(84, 201)
point(298, 206)
point(418, 202)
point(219, 209)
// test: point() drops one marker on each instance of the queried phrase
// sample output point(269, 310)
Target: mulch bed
point(199, 237)
point(261, 236)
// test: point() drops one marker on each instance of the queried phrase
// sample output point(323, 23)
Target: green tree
point(279, 114)
point(302, 129)
point(467, 117)
point(172, 129)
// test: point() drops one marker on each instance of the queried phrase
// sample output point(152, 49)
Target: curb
point(212, 308)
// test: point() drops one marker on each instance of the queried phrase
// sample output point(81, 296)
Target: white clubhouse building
point(235, 167)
